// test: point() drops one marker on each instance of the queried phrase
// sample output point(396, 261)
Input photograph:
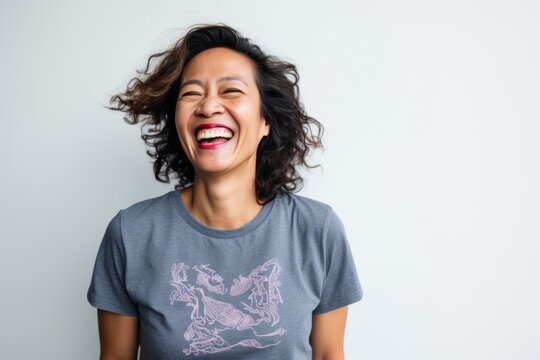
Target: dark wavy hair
point(150, 98)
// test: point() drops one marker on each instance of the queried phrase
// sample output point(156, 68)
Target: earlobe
point(267, 128)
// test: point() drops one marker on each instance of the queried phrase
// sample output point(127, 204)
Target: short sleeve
point(107, 289)
point(341, 284)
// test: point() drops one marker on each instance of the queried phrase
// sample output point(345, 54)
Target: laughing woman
point(232, 264)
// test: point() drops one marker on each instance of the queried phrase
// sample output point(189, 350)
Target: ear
point(266, 129)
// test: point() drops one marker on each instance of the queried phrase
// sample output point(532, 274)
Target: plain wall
point(432, 153)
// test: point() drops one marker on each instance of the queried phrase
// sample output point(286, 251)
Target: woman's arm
point(118, 335)
point(327, 335)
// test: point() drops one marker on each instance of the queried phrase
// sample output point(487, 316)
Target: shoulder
point(308, 210)
point(146, 211)
point(306, 203)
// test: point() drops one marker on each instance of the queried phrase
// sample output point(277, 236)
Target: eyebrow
point(199, 82)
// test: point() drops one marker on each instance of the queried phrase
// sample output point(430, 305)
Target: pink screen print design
point(246, 314)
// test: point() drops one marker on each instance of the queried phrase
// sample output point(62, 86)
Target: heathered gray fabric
point(247, 293)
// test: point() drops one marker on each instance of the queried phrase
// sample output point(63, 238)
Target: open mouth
point(214, 135)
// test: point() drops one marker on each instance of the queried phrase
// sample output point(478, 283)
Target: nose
point(209, 106)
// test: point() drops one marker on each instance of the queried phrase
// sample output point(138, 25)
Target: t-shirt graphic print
point(245, 313)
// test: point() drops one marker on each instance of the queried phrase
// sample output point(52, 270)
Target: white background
point(432, 161)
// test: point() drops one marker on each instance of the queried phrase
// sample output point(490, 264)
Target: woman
point(232, 264)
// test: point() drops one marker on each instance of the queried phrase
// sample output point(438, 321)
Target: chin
point(215, 167)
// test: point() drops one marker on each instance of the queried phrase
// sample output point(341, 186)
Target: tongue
point(217, 140)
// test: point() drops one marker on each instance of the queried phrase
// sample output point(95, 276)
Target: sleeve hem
point(336, 304)
point(103, 305)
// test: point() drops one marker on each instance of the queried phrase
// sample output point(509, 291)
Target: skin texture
point(327, 334)
point(219, 86)
point(118, 335)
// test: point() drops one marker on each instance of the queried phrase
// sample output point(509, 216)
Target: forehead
point(219, 62)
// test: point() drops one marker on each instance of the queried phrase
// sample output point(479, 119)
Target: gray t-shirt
point(247, 293)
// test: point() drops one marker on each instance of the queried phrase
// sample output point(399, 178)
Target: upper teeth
point(214, 132)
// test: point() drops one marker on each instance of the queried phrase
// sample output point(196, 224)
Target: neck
point(220, 202)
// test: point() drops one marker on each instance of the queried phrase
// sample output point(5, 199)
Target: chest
point(251, 297)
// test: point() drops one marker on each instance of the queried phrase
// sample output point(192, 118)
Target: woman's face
point(218, 116)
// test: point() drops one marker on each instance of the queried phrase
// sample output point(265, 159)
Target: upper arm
point(327, 334)
point(118, 336)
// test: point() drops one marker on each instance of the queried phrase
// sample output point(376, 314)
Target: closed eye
point(190, 93)
point(232, 90)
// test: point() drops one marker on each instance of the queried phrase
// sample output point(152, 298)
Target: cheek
point(180, 121)
point(181, 133)
point(248, 113)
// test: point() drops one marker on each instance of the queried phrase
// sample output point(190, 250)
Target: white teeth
point(213, 133)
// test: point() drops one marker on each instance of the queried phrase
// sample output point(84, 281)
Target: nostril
point(209, 107)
